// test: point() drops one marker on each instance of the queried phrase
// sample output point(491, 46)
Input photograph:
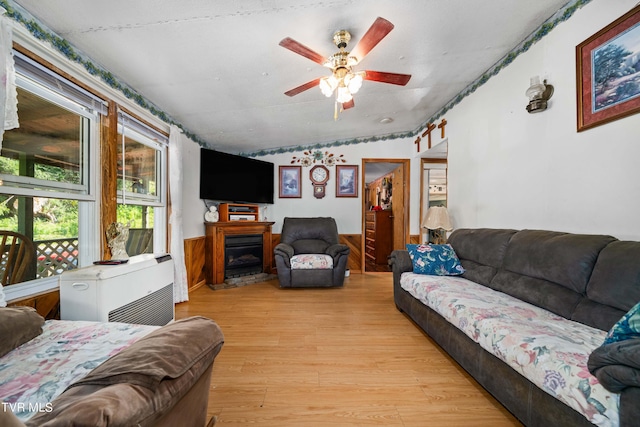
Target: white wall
point(193, 208)
point(509, 168)
point(346, 211)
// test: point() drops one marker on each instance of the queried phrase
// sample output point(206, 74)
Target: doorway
point(385, 210)
point(433, 192)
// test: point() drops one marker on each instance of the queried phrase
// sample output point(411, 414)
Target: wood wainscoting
point(46, 304)
point(194, 262)
point(194, 257)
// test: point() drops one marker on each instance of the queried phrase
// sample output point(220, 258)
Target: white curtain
point(8, 94)
point(180, 285)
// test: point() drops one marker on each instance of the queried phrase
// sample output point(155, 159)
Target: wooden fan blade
point(379, 30)
point(382, 77)
point(300, 49)
point(347, 105)
point(302, 88)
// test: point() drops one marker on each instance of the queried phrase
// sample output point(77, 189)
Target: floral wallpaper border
point(38, 30)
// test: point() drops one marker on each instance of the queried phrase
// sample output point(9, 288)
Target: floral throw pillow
point(626, 328)
point(435, 260)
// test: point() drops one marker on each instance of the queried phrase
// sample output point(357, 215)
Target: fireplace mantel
point(214, 245)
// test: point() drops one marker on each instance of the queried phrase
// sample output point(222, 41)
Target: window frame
point(31, 186)
point(159, 201)
point(86, 193)
point(46, 66)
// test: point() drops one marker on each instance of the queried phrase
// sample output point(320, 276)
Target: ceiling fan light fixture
point(353, 82)
point(327, 85)
point(343, 95)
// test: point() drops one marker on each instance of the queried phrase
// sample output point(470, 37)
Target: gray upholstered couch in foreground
point(590, 279)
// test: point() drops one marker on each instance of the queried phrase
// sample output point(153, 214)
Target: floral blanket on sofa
point(549, 350)
point(32, 375)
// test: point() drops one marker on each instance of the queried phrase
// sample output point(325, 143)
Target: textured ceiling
point(215, 67)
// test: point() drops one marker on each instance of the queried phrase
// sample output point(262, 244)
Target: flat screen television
point(232, 178)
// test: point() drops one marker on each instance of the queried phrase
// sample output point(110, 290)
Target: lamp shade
point(437, 217)
point(536, 89)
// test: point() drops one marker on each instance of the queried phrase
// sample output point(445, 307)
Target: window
point(47, 188)
point(141, 185)
point(49, 151)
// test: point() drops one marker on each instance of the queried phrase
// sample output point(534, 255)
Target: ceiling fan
point(344, 81)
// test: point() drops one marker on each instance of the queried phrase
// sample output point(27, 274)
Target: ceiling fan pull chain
point(335, 111)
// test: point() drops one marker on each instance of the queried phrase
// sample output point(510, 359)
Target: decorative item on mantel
point(212, 215)
point(117, 236)
point(437, 221)
point(314, 157)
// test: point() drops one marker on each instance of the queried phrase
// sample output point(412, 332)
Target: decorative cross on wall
point(427, 133)
point(441, 126)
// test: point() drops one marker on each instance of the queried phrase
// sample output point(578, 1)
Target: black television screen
point(232, 178)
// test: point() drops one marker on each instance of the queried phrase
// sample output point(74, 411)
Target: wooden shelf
point(238, 212)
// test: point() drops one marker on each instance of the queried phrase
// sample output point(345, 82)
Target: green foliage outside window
point(135, 215)
point(52, 218)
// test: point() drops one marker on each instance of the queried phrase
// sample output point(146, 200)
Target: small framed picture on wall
point(290, 182)
point(346, 181)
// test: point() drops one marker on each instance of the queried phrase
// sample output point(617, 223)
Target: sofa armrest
point(400, 262)
point(337, 250)
point(629, 406)
point(285, 251)
point(142, 383)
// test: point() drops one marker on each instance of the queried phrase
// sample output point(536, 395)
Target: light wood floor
point(333, 357)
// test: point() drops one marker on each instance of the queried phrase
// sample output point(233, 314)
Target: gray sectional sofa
point(591, 279)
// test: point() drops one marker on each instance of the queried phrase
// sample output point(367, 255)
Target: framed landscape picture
point(608, 72)
point(346, 181)
point(290, 182)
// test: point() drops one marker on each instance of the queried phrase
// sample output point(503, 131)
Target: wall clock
point(319, 176)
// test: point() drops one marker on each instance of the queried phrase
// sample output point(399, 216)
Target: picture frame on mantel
point(608, 72)
point(346, 180)
point(289, 183)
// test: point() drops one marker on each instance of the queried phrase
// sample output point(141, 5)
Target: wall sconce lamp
point(437, 220)
point(538, 94)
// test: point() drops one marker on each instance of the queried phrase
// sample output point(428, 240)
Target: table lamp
point(437, 219)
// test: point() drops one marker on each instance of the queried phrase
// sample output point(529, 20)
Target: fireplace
point(242, 255)
point(215, 241)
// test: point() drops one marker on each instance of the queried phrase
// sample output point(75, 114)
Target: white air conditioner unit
point(140, 291)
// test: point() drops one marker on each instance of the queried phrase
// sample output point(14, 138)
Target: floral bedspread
point(548, 350)
point(32, 375)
